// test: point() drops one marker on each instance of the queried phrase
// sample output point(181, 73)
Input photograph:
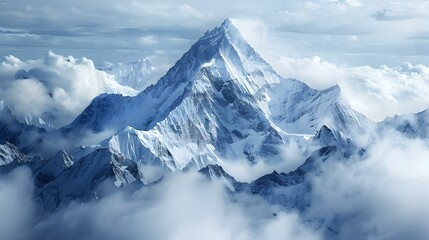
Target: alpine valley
point(220, 112)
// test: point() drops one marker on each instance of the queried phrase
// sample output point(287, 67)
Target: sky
point(350, 32)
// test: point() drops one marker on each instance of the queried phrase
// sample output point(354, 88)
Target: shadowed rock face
point(17, 133)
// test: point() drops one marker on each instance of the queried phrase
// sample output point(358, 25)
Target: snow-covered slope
point(10, 153)
point(413, 125)
point(62, 178)
point(221, 101)
point(328, 136)
point(216, 173)
point(297, 108)
point(81, 179)
point(137, 75)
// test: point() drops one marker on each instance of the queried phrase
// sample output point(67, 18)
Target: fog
point(380, 196)
point(183, 206)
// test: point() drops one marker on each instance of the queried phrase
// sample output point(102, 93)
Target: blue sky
point(351, 32)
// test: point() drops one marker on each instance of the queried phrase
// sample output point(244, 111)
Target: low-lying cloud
point(16, 205)
point(382, 196)
point(292, 156)
point(183, 206)
point(55, 88)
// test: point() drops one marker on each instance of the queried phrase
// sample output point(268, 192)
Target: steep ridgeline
point(297, 108)
point(10, 153)
point(61, 179)
point(81, 179)
point(221, 101)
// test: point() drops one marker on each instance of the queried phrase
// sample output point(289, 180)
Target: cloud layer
point(382, 196)
point(55, 88)
point(16, 205)
point(183, 206)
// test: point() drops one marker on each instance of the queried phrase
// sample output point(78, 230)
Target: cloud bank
point(55, 88)
point(183, 206)
point(381, 197)
point(16, 204)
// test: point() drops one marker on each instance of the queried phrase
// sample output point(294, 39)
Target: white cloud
point(397, 10)
point(313, 71)
point(254, 31)
point(382, 196)
point(342, 3)
point(183, 206)
point(55, 88)
point(243, 171)
point(353, 38)
point(148, 40)
point(16, 206)
point(352, 198)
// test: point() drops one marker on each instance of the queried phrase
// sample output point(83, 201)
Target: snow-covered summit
point(220, 101)
point(158, 100)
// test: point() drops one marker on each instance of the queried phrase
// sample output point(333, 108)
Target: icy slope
point(155, 103)
point(297, 108)
point(9, 153)
point(221, 101)
point(222, 111)
point(137, 75)
point(62, 178)
point(80, 180)
point(413, 125)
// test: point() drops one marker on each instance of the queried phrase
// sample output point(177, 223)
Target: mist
point(182, 206)
point(54, 89)
point(381, 195)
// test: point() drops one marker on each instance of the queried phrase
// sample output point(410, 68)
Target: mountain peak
point(226, 31)
point(227, 23)
point(219, 93)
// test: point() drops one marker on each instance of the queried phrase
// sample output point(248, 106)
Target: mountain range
point(221, 103)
